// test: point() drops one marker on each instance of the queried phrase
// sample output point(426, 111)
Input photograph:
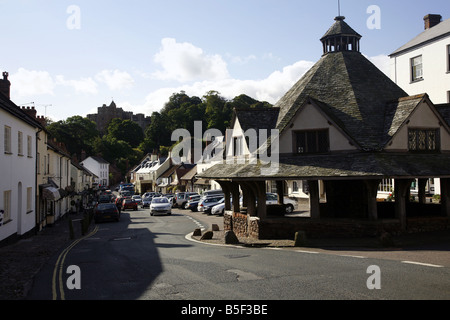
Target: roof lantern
point(340, 37)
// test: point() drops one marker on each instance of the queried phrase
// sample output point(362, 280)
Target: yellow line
point(60, 263)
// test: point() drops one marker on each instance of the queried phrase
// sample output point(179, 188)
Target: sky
point(68, 58)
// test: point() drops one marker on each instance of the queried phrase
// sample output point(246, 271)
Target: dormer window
point(423, 140)
point(312, 141)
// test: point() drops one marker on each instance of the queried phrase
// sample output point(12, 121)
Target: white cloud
point(115, 79)
point(85, 85)
point(270, 89)
point(25, 83)
point(185, 62)
point(382, 62)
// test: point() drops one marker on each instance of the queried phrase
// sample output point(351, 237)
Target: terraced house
point(343, 128)
point(17, 165)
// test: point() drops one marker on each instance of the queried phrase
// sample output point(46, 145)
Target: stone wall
point(285, 228)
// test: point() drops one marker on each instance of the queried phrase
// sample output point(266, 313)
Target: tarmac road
point(150, 258)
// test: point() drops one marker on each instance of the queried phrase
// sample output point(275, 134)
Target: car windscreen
point(106, 206)
point(160, 200)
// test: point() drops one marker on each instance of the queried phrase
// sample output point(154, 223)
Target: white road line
point(304, 251)
point(352, 256)
point(423, 264)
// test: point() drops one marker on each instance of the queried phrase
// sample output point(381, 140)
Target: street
point(145, 257)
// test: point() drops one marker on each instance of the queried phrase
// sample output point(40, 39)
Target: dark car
point(104, 198)
point(129, 204)
point(106, 211)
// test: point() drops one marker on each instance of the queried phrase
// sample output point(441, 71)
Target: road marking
point(58, 270)
point(196, 222)
point(423, 264)
point(304, 251)
point(352, 256)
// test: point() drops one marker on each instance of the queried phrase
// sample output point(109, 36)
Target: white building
point(17, 167)
point(99, 167)
point(422, 65)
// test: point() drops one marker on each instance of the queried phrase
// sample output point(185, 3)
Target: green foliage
point(182, 111)
point(124, 143)
point(76, 132)
point(125, 130)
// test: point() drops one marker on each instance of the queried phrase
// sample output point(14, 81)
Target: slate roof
point(340, 27)
point(369, 165)
point(256, 118)
point(366, 105)
point(351, 90)
point(444, 110)
point(10, 107)
point(435, 33)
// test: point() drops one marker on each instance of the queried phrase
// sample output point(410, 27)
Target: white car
point(272, 198)
point(137, 199)
point(160, 205)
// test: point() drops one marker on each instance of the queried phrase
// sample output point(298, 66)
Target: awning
point(51, 193)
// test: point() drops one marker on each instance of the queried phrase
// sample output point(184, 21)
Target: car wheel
point(289, 208)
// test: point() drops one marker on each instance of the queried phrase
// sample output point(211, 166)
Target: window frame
point(426, 133)
point(29, 146)
point(414, 77)
point(20, 143)
point(307, 140)
point(6, 206)
point(7, 140)
point(448, 58)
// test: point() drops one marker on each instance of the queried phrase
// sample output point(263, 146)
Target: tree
point(125, 130)
point(218, 114)
point(76, 132)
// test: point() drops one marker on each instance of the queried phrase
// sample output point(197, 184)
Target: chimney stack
point(5, 85)
point(432, 20)
point(30, 111)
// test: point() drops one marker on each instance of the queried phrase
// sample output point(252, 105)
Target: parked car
point(106, 211)
point(181, 198)
point(160, 205)
point(272, 199)
point(129, 204)
point(146, 202)
point(208, 202)
point(208, 193)
point(191, 199)
point(219, 209)
point(289, 205)
point(137, 198)
point(192, 204)
point(170, 196)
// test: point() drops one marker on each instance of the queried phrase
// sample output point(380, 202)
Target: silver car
point(160, 205)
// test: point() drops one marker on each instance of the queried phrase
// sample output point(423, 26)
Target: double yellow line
point(58, 270)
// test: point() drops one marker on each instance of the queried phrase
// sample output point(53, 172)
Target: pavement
point(22, 260)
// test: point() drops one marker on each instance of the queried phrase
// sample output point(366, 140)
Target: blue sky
point(74, 56)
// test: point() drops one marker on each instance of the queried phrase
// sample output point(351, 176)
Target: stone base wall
point(285, 228)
